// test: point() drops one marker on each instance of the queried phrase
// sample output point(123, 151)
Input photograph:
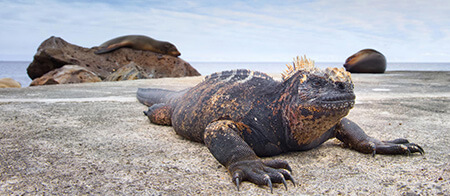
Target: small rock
point(66, 75)
point(9, 83)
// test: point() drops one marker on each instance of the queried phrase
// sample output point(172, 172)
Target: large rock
point(9, 83)
point(54, 53)
point(68, 74)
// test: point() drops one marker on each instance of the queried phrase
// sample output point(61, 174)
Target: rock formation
point(54, 53)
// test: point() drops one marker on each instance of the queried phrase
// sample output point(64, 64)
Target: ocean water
point(18, 69)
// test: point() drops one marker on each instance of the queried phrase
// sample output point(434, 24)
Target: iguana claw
point(285, 184)
point(261, 172)
point(269, 182)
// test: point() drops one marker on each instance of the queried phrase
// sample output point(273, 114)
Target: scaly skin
point(243, 115)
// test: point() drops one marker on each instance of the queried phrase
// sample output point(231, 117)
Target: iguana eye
point(316, 83)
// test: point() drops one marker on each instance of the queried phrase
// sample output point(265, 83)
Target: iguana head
point(314, 100)
point(329, 89)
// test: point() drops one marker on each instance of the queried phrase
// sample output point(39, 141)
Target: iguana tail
point(150, 96)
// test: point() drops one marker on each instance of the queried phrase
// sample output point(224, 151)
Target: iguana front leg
point(353, 136)
point(223, 141)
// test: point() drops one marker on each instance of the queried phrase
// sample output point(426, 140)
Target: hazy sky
point(228, 30)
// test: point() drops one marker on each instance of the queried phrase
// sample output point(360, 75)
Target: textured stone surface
point(55, 52)
point(127, 72)
point(68, 74)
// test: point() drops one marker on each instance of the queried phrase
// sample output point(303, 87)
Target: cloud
point(237, 30)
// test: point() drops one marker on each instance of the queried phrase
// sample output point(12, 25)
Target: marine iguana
point(243, 115)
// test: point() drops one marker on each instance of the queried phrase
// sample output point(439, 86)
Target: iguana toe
point(397, 146)
point(279, 164)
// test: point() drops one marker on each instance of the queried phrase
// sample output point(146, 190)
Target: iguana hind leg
point(159, 114)
point(353, 136)
point(224, 142)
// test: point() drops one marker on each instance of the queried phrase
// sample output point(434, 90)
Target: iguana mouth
point(343, 97)
point(338, 101)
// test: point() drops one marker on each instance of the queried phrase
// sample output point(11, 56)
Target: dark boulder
point(366, 61)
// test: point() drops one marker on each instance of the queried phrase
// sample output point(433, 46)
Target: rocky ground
point(92, 138)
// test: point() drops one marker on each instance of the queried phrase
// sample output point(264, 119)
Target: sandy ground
point(93, 139)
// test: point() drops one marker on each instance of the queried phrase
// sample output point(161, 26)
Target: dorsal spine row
point(240, 75)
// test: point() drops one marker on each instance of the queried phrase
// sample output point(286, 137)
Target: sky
point(237, 31)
